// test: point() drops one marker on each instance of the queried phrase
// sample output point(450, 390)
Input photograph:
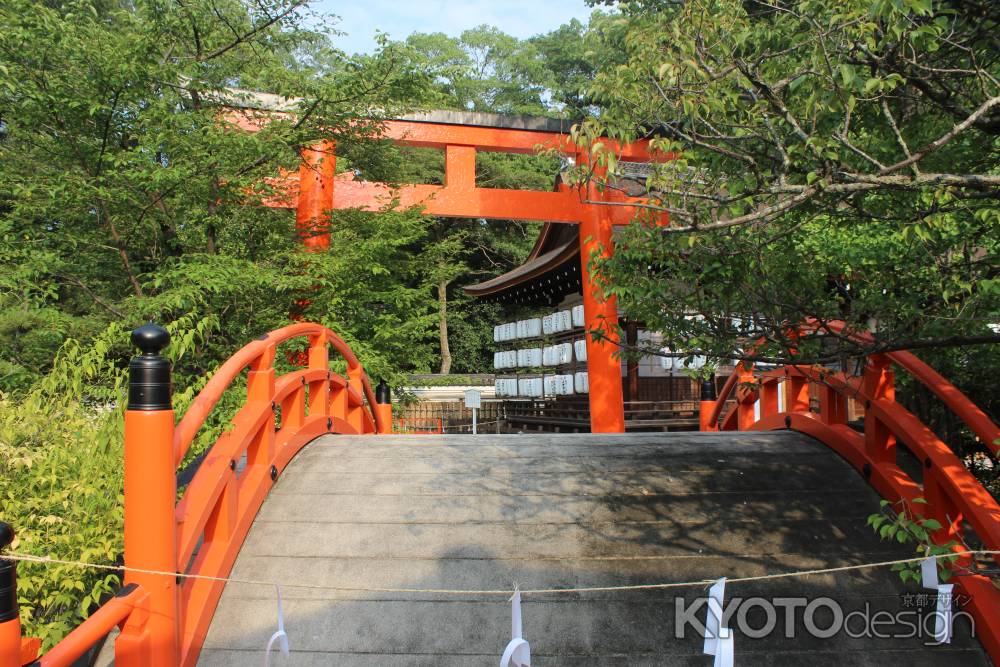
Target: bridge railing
point(953, 495)
point(178, 554)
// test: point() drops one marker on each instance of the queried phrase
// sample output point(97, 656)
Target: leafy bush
point(61, 484)
point(61, 473)
point(904, 526)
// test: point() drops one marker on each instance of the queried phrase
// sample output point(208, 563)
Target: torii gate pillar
point(607, 407)
point(312, 213)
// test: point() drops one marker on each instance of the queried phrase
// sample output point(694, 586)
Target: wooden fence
point(453, 415)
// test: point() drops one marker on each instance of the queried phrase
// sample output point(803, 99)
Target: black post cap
point(383, 395)
point(8, 577)
point(150, 338)
point(149, 373)
point(708, 389)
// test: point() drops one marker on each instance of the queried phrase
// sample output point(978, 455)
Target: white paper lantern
point(565, 353)
point(534, 327)
point(581, 382)
point(530, 387)
point(580, 349)
point(578, 318)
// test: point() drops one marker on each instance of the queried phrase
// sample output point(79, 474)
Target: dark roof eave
point(528, 271)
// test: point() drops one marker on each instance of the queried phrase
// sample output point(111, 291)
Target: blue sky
point(520, 18)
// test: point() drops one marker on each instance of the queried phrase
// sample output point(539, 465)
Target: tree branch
point(252, 33)
point(945, 138)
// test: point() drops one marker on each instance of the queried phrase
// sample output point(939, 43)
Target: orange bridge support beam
point(607, 406)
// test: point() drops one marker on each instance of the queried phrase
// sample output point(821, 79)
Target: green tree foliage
point(125, 193)
point(899, 522)
point(569, 56)
point(831, 161)
point(483, 70)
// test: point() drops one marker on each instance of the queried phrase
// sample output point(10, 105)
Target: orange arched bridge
point(402, 550)
point(398, 550)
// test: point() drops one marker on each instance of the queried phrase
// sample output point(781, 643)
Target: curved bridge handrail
point(95, 628)
point(220, 503)
point(963, 490)
point(178, 554)
point(263, 347)
point(950, 395)
point(724, 394)
point(960, 404)
point(970, 413)
point(951, 492)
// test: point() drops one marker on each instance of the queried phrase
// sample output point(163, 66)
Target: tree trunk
point(120, 245)
point(443, 326)
point(210, 232)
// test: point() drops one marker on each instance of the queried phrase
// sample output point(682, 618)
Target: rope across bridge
point(497, 592)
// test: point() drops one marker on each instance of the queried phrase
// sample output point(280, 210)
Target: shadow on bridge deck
point(558, 511)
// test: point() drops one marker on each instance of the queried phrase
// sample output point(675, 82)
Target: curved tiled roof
point(557, 244)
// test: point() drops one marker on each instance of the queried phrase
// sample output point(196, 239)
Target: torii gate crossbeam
point(316, 190)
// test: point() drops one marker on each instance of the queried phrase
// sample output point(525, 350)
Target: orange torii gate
point(316, 190)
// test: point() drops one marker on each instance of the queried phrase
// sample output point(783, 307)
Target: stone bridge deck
point(551, 511)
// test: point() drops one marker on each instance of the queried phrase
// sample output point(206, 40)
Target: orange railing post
point(355, 379)
point(832, 406)
point(10, 620)
point(383, 407)
point(150, 494)
point(768, 397)
point(706, 407)
point(879, 384)
point(319, 391)
point(260, 389)
point(797, 394)
point(745, 397)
